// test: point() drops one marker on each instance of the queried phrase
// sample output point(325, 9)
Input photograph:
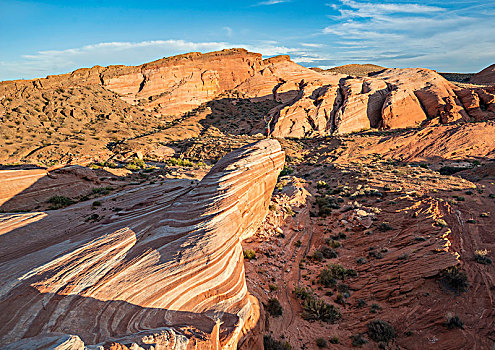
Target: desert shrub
point(326, 204)
point(249, 254)
point(286, 171)
point(381, 331)
point(321, 342)
point(272, 287)
point(274, 308)
point(459, 198)
point(271, 344)
point(454, 279)
point(334, 340)
point(358, 340)
point(339, 272)
point(484, 215)
point(102, 190)
point(326, 278)
point(332, 243)
point(317, 309)
point(374, 308)
point(180, 162)
point(328, 253)
point(321, 184)
point(481, 257)
point(471, 221)
point(316, 256)
point(302, 293)
point(298, 243)
point(454, 322)
point(136, 164)
point(58, 202)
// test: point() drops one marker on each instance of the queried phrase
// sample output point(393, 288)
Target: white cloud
point(48, 62)
point(271, 2)
point(408, 34)
point(312, 45)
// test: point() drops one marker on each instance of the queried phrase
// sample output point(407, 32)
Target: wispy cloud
point(405, 34)
point(48, 62)
point(271, 2)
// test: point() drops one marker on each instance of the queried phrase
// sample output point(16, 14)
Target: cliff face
point(167, 271)
point(394, 98)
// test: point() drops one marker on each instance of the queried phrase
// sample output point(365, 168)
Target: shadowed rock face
point(486, 76)
point(168, 272)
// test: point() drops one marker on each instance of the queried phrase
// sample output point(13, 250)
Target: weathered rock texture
point(394, 98)
point(166, 272)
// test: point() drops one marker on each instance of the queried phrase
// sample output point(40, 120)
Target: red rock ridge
point(168, 272)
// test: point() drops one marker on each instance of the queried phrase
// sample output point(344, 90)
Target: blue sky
point(39, 38)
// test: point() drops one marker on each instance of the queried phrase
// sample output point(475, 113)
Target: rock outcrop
point(391, 99)
point(165, 272)
point(486, 76)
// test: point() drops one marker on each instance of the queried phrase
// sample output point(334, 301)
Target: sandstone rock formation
point(165, 272)
point(91, 111)
point(486, 76)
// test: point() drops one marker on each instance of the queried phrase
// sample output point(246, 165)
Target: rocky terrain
point(224, 201)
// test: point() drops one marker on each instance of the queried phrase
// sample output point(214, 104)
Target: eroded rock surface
point(167, 271)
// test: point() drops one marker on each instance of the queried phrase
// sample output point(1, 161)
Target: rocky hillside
point(114, 112)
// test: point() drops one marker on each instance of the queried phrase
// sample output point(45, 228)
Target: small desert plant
point(316, 309)
point(249, 254)
point(358, 340)
point(334, 340)
point(454, 322)
point(272, 287)
point(332, 243)
point(321, 342)
point(102, 190)
point(58, 202)
point(454, 279)
point(381, 331)
point(274, 308)
point(374, 308)
point(286, 171)
point(481, 257)
point(302, 293)
point(271, 344)
point(136, 164)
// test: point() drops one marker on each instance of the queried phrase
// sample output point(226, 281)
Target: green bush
point(102, 190)
point(180, 162)
point(381, 331)
point(286, 171)
point(271, 344)
point(334, 340)
point(302, 293)
point(358, 340)
point(136, 164)
point(316, 309)
point(249, 254)
point(274, 308)
point(58, 202)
